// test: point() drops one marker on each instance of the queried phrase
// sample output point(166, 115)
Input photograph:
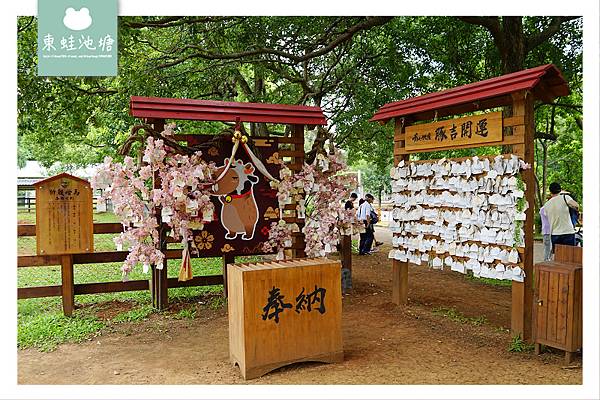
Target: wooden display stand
point(156, 111)
point(516, 92)
point(558, 311)
point(284, 312)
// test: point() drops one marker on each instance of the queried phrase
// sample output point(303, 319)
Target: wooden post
point(399, 269)
point(227, 259)
point(298, 239)
point(522, 292)
point(159, 286)
point(346, 256)
point(68, 285)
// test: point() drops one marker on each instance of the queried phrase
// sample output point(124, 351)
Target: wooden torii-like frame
point(519, 90)
point(156, 110)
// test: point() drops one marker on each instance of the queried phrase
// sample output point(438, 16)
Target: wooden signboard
point(64, 222)
point(472, 131)
point(284, 312)
point(245, 203)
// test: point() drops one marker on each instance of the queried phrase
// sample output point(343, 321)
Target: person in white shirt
point(364, 214)
point(559, 218)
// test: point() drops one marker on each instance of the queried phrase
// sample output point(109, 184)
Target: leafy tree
point(375, 179)
point(350, 66)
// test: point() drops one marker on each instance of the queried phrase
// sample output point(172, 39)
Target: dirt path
point(383, 343)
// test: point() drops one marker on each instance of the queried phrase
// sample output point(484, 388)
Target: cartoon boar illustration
point(239, 213)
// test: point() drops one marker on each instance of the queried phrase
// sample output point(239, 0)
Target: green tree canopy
point(349, 66)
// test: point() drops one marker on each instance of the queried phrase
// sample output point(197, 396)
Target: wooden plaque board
point(64, 221)
point(471, 131)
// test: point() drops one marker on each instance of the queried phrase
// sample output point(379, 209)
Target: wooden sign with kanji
point(64, 222)
point(472, 131)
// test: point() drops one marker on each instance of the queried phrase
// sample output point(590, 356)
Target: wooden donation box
point(64, 221)
point(283, 312)
point(558, 306)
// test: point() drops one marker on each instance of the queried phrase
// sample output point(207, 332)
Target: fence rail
point(68, 289)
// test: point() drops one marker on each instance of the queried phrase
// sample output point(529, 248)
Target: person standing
point(350, 202)
point(365, 215)
point(559, 217)
point(546, 235)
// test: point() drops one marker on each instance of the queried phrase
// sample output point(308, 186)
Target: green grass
point(137, 314)
point(456, 316)
point(216, 303)
point(355, 246)
point(45, 331)
point(41, 323)
point(185, 313)
point(488, 281)
point(517, 345)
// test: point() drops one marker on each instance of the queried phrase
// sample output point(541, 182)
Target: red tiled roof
point(547, 81)
point(212, 110)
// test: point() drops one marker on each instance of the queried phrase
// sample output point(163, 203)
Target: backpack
point(572, 212)
point(374, 217)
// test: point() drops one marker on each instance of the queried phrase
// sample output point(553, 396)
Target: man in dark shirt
point(350, 203)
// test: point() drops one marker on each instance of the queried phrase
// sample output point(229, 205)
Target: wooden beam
point(514, 120)
point(159, 286)
point(36, 261)
point(346, 252)
point(298, 243)
point(227, 259)
point(292, 139)
point(400, 269)
point(67, 288)
point(41, 291)
point(203, 280)
point(99, 228)
point(522, 292)
point(100, 257)
point(111, 287)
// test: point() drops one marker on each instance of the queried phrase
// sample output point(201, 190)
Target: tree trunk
point(513, 45)
point(544, 169)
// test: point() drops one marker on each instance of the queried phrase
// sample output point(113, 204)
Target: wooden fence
point(68, 289)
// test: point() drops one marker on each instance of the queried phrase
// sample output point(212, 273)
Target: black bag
point(374, 217)
point(572, 212)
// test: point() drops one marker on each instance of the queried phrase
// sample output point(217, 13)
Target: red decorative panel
point(245, 204)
